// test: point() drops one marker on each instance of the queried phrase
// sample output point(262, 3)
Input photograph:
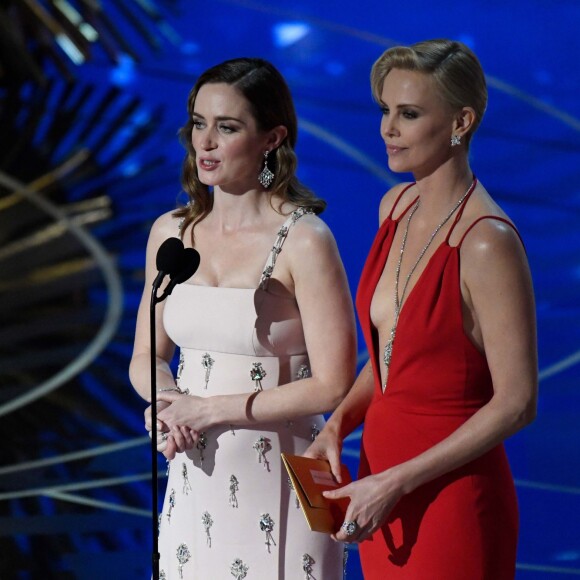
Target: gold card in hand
point(310, 477)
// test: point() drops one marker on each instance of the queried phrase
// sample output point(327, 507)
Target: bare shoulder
point(311, 241)
point(310, 234)
point(491, 244)
point(165, 226)
point(390, 198)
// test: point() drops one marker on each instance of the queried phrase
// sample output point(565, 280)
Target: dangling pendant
point(388, 352)
point(266, 177)
point(234, 486)
point(267, 525)
point(262, 446)
point(207, 523)
point(207, 364)
point(257, 374)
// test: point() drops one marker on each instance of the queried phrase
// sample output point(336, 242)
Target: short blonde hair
point(455, 69)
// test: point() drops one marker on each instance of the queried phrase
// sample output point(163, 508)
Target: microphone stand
point(180, 264)
point(154, 487)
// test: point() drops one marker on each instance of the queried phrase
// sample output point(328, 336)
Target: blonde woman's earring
point(266, 176)
point(455, 140)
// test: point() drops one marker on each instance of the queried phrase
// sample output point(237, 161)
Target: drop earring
point(455, 140)
point(266, 177)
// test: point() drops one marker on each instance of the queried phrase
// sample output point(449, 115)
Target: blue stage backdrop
point(90, 130)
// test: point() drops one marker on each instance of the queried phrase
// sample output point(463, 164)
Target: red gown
point(463, 525)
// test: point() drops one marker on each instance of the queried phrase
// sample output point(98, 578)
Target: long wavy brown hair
point(271, 104)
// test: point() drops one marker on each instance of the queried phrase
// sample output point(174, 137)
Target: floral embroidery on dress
point(201, 445)
point(171, 504)
point(257, 374)
point(267, 525)
point(262, 446)
point(207, 363)
point(207, 523)
point(180, 367)
point(186, 484)
point(307, 563)
point(238, 569)
point(183, 556)
point(303, 372)
point(234, 486)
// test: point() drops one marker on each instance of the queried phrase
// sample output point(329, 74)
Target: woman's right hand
point(170, 442)
point(328, 446)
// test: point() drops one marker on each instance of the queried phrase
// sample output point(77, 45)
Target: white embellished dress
point(229, 511)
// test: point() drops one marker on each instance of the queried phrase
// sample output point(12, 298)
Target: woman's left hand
point(371, 501)
point(189, 411)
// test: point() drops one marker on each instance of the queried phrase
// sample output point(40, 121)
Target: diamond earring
point(455, 140)
point(266, 176)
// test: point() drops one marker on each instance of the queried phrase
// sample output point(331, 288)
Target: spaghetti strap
point(461, 209)
point(390, 217)
point(490, 217)
point(277, 247)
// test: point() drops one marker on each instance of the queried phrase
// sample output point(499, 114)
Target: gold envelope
point(310, 477)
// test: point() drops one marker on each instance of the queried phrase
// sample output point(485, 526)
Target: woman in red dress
point(446, 305)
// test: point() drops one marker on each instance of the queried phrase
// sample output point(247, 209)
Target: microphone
point(168, 259)
point(189, 263)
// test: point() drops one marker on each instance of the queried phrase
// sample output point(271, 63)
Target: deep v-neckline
point(430, 260)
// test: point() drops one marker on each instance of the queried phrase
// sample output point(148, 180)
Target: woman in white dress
point(266, 334)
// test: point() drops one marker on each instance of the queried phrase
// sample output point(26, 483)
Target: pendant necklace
point(388, 352)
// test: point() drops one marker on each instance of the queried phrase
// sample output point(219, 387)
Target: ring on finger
point(349, 528)
point(164, 436)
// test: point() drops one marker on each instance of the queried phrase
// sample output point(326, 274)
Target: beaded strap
point(280, 239)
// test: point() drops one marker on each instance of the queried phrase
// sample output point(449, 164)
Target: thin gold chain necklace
point(388, 352)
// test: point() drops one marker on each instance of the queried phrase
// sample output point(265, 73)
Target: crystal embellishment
point(266, 177)
point(314, 432)
point(307, 563)
point(171, 504)
point(277, 248)
point(201, 445)
point(303, 372)
point(207, 364)
point(257, 374)
point(262, 446)
point(186, 484)
point(267, 525)
point(234, 486)
point(183, 556)
point(180, 366)
point(207, 523)
point(238, 569)
point(291, 486)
